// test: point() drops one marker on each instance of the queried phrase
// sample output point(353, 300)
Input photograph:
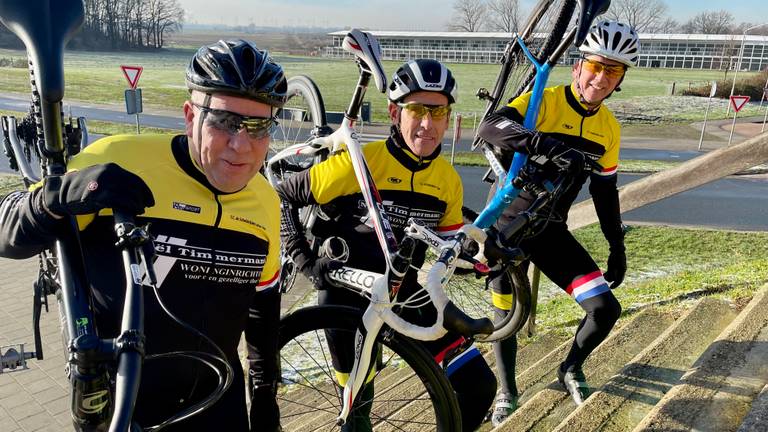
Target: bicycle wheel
point(301, 119)
point(475, 297)
point(542, 33)
point(410, 392)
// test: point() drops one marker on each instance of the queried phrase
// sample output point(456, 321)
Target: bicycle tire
point(472, 296)
point(308, 396)
point(302, 119)
point(549, 17)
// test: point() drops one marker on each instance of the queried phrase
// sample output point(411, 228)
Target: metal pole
point(704, 126)
point(535, 279)
point(456, 135)
point(738, 66)
point(765, 117)
point(138, 130)
point(733, 125)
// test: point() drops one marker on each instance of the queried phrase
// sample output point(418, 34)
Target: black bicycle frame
point(45, 26)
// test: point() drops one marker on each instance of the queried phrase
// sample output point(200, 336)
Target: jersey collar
point(399, 149)
point(573, 101)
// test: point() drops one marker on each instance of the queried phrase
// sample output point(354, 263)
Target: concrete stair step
point(545, 403)
point(716, 393)
point(757, 418)
point(627, 397)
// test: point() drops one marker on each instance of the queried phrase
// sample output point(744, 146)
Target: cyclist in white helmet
point(414, 181)
point(573, 124)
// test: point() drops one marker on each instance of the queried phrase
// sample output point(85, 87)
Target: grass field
point(96, 77)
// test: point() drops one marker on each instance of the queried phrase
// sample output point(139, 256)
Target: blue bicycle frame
point(509, 192)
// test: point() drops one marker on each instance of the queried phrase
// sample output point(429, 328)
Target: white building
point(689, 51)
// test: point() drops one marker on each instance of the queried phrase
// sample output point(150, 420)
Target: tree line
point(121, 24)
point(647, 16)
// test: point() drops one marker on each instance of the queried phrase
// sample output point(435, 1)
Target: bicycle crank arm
point(365, 337)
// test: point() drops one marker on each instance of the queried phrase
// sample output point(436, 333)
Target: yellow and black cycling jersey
point(596, 133)
point(426, 188)
point(214, 250)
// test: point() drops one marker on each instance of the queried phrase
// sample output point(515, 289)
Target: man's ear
point(394, 113)
point(189, 118)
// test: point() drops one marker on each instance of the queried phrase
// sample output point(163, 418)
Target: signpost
point(456, 135)
point(737, 103)
point(712, 91)
point(133, 104)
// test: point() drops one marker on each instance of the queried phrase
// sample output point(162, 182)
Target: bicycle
point(104, 374)
point(377, 287)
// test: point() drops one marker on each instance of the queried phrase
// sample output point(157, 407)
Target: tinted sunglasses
point(595, 67)
point(233, 123)
point(417, 110)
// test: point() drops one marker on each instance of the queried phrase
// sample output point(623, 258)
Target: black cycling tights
point(564, 261)
point(602, 313)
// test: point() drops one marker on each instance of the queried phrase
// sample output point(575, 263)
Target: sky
point(427, 15)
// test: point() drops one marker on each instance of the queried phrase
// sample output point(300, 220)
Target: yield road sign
point(738, 102)
point(132, 74)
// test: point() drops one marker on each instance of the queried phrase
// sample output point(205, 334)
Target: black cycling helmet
point(237, 68)
point(422, 75)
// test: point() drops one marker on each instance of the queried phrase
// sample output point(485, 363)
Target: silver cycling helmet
point(238, 68)
point(613, 40)
point(422, 75)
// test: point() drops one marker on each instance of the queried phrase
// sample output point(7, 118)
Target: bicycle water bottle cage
point(589, 10)
point(368, 52)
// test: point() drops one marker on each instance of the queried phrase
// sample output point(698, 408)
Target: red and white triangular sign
point(738, 102)
point(132, 74)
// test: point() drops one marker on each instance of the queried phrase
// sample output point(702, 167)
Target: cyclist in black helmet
point(216, 227)
point(414, 181)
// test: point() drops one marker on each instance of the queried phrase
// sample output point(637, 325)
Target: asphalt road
point(739, 203)
point(111, 114)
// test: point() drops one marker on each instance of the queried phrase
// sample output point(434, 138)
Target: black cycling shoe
point(574, 383)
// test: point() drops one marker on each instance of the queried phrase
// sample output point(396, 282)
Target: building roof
point(506, 36)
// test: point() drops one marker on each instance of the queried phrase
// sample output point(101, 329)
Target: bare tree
point(710, 22)
point(644, 15)
point(668, 25)
point(468, 15)
point(504, 15)
point(758, 30)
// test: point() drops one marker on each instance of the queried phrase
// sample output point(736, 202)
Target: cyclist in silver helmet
point(208, 210)
point(414, 181)
point(573, 124)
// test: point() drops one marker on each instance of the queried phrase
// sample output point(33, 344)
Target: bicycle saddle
point(366, 48)
point(44, 26)
point(588, 11)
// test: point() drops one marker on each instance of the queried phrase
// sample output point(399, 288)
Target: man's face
point(229, 160)
point(422, 135)
point(595, 81)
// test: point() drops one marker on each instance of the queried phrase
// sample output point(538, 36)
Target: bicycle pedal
point(14, 358)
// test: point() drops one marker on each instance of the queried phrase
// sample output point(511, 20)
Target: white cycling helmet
point(613, 40)
point(423, 75)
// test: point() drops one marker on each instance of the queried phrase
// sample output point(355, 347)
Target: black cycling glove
point(317, 271)
point(94, 188)
point(617, 266)
point(565, 157)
